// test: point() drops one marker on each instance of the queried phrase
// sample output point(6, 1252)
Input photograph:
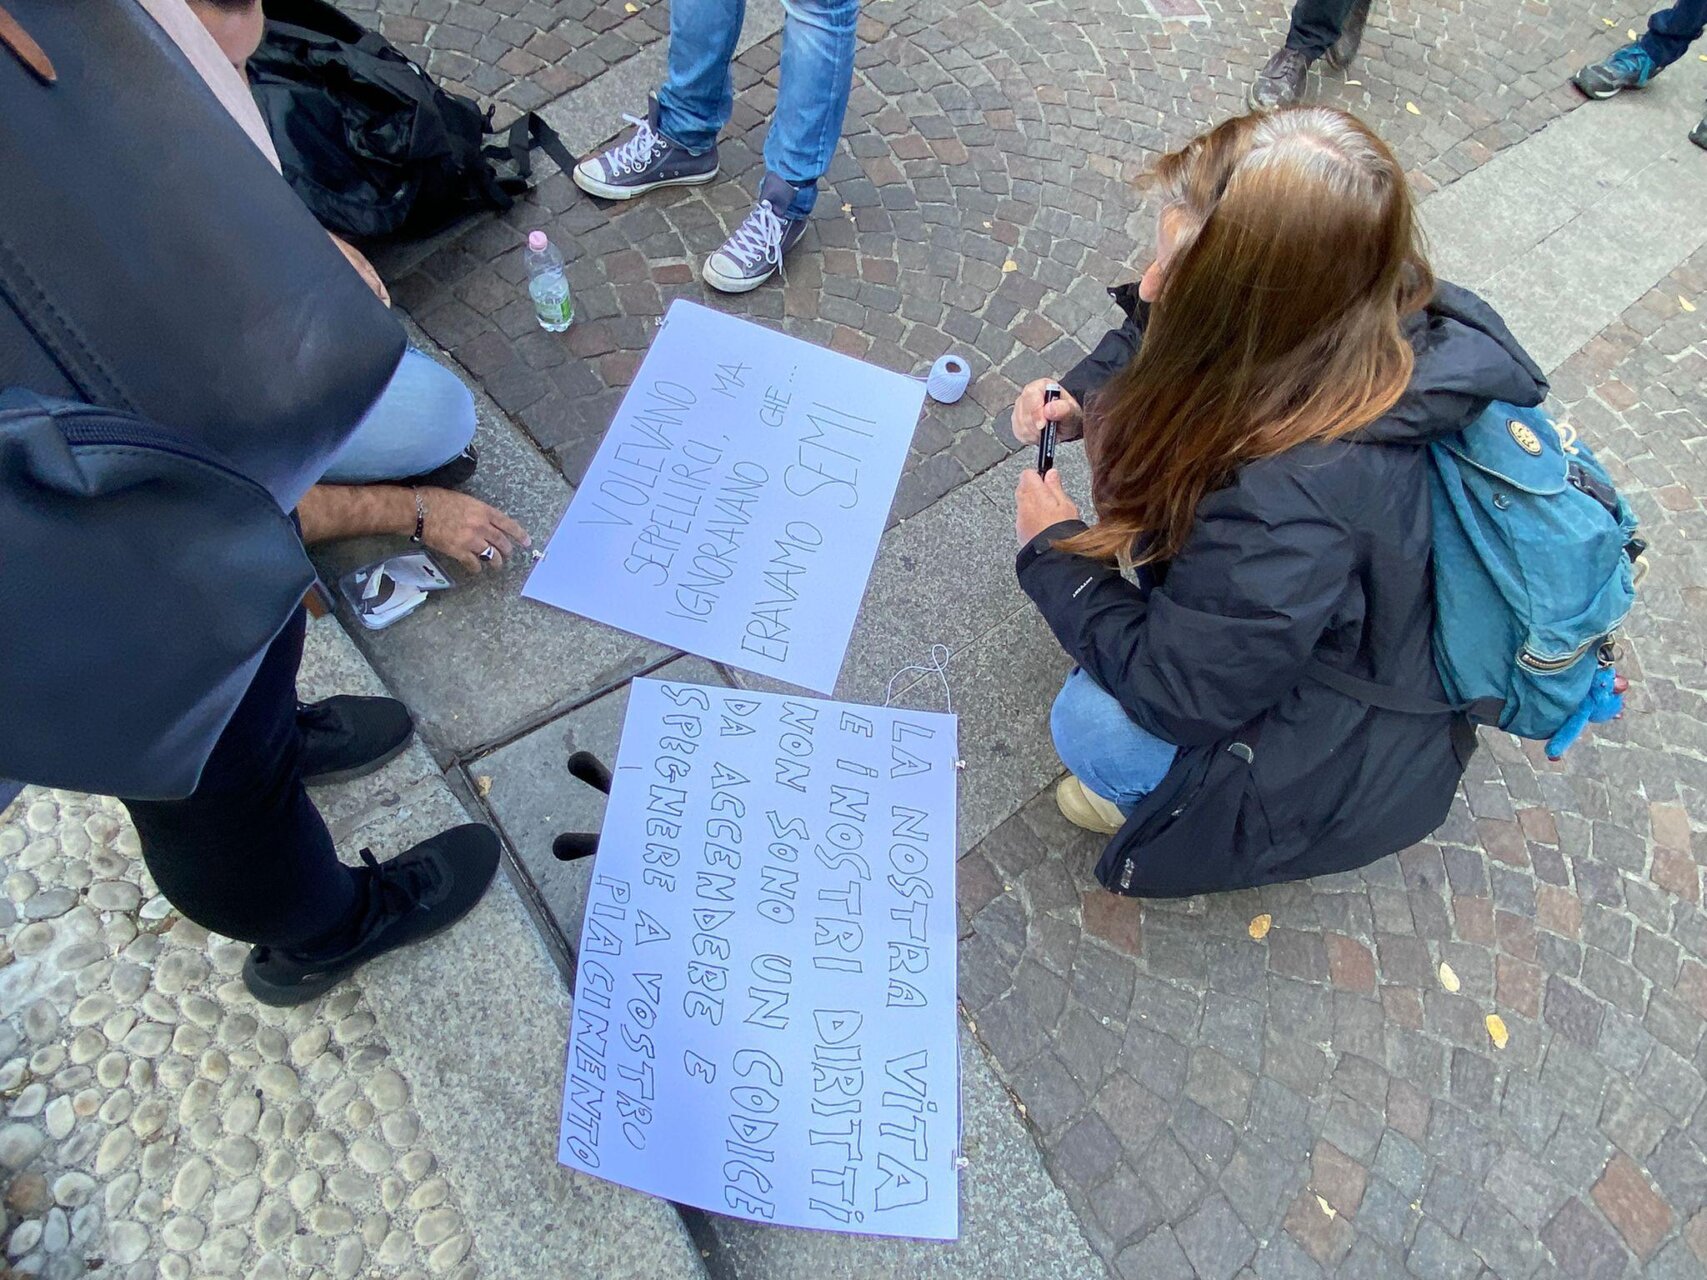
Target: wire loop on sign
point(940, 654)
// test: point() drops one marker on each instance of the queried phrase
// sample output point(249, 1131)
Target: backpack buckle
point(1583, 482)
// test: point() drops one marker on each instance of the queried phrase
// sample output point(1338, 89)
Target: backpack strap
point(28, 52)
point(527, 132)
point(1388, 697)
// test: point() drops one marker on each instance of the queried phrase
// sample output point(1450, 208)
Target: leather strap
point(529, 131)
point(15, 38)
point(1391, 698)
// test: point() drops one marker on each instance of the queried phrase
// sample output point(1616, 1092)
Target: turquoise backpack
point(1535, 569)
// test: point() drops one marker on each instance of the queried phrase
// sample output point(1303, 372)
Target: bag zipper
point(140, 435)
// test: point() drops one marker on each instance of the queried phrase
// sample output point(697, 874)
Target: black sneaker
point(1627, 68)
point(1698, 135)
point(753, 254)
point(450, 475)
point(347, 737)
point(1281, 81)
point(644, 162)
point(408, 899)
point(1343, 50)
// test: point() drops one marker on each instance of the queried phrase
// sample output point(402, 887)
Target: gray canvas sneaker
point(753, 254)
point(644, 162)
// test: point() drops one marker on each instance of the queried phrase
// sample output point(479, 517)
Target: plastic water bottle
point(547, 285)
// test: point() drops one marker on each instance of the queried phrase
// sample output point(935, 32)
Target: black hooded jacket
point(1318, 554)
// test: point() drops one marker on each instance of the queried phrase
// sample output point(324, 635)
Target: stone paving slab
point(479, 664)
point(527, 788)
point(1493, 218)
point(1014, 1221)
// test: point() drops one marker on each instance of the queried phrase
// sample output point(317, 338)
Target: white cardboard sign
point(765, 1021)
point(735, 505)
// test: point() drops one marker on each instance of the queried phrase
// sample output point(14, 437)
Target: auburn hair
point(1279, 320)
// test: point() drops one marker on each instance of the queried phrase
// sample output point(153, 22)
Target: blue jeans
point(423, 419)
point(816, 74)
point(1671, 31)
point(1102, 747)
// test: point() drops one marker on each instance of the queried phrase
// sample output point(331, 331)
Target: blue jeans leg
point(697, 94)
point(1102, 746)
point(816, 75)
point(423, 419)
point(1671, 31)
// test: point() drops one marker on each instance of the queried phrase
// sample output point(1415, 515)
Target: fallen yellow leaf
point(1497, 1032)
point(1448, 978)
point(1631, 32)
point(1356, 82)
point(1609, 22)
point(987, 226)
point(1260, 926)
point(1685, 303)
point(1009, 265)
point(483, 784)
point(847, 208)
point(1327, 1208)
point(1412, 108)
point(632, 8)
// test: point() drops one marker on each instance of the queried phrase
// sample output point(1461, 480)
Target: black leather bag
point(153, 265)
point(141, 581)
point(153, 261)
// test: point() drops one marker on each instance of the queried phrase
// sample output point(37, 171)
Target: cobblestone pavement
point(515, 54)
point(156, 1121)
point(1305, 1080)
point(987, 158)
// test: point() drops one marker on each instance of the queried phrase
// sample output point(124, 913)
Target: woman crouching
point(1256, 436)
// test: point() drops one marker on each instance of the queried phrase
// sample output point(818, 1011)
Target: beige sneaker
point(1085, 808)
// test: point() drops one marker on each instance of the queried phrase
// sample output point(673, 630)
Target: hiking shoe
point(407, 899)
point(450, 475)
point(1085, 808)
point(345, 738)
point(754, 253)
point(1628, 68)
point(1698, 135)
point(644, 162)
point(1281, 81)
point(1343, 50)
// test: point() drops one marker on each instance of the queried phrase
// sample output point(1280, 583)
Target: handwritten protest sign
point(735, 505)
point(764, 1018)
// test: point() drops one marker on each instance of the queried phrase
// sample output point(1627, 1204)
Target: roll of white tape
point(946, 382)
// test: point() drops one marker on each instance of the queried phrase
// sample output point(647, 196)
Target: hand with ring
point(475, 535)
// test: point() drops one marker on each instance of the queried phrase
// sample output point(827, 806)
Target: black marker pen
point(1046, 439)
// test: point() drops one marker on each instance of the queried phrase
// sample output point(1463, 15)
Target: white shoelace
point(632, 156)
point(760, 234)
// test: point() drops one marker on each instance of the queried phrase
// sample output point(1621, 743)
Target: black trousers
point(1316, 24)
point(247, 854)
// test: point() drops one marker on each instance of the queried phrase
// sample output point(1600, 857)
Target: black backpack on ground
point(372, 145)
